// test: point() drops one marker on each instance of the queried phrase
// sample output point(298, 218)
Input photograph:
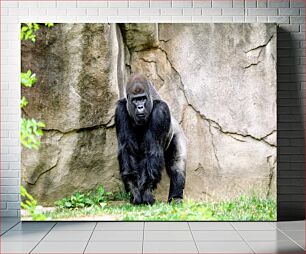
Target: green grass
point(244, 208)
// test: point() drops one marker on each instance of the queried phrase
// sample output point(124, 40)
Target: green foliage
point(242, 209)
point(30, 205)
point(120, 195)
point(30, 133)
point(28, 30)
point(97, 197)
point(28, 79)
point(23, 102)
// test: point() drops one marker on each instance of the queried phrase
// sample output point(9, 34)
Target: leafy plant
point(30, 133)
point(97, 197)
point(23, 102)
point(28, 30)
point(28, 79)
point(30, 205)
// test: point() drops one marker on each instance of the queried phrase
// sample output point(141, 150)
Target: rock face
point(218, 79)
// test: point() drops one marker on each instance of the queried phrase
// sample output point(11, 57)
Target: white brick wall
point(291, 63)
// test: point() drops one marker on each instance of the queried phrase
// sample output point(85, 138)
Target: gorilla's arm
point(155, 142)
point(126, 145)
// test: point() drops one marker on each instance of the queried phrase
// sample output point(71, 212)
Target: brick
point(9, 181)
point(118, 4)
point(13, 205)
point(222, 19)
point(262, 19)
point(92, 4)
point(250, 3)
point(205, 19)
point(233, 12)
point(14, 166)
point(297, 19)
point(47, 4)
point(18, 12)
point(288, 28)
point(108, 11)
point(76, 12)
point(185, 19)
point(10, 213)
point(38, 12)
point(182, 3)
point(160, 19)
point(3, 205)
point(10, 189)
point(9, 197)
point(128, 12)
point(238, 3)
point(302, 11)
point(117, 19)
point(4, 11)
point(211, 11)
point(92, 12)
point(139, 4)
point(135, 19)
point(297, 3)
point(262, 12)
point(28, 4)
point(150, 12)
point(280, 20)
point(9, 173)
point(66, 4)
point(9, 4)
point(222, 3)
point(239, 19)
point(56, 12)
point(262, 3)
point(202, 3)
point(288, 11)
point(278, 3)
point(192, 11)
point(160, 4)
point(302, 28)
point(250, 19)
point(172, 12)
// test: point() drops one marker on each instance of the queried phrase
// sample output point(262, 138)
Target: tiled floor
point(152, 237)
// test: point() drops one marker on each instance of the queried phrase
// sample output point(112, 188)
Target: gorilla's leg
point(175, 158)
point(130, 183)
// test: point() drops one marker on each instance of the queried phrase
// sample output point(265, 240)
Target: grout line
point(247, 243)
point(193, 238)
point(143, 231)
point(42, 238)
point(290, 238)
point(90, 237)
point(10, 228)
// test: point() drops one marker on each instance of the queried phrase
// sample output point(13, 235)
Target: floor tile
point(17, 247)
point(223, 247)
point(60, 247)
point(63, 226)
point(216, 236)
point(23, 236)
point(101, 236)
point(273, 235)
point(167, 236)
point(119, 226)
point(253, 226)
point(221, 226)
point(295, 234)
point(69, 236)
point(33, 226)
point(166, 226)
point(114, 247)
point(276, 247)
point(291, 225)
point(169, 247)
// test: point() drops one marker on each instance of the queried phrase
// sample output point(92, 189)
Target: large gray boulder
point(218, 79)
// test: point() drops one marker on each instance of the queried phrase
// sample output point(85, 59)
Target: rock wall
point(218, 79)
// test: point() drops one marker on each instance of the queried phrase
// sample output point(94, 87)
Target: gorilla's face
point(140, 107)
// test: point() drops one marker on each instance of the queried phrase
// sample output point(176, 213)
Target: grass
point(244, 209)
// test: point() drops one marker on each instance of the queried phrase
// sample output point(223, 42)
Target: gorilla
point(149, 139)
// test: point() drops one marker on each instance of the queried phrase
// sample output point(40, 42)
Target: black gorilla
point(149, 139)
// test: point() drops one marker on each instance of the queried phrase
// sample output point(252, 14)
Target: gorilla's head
point(139, 99)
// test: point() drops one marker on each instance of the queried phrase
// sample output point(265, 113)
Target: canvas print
point(160, 122)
